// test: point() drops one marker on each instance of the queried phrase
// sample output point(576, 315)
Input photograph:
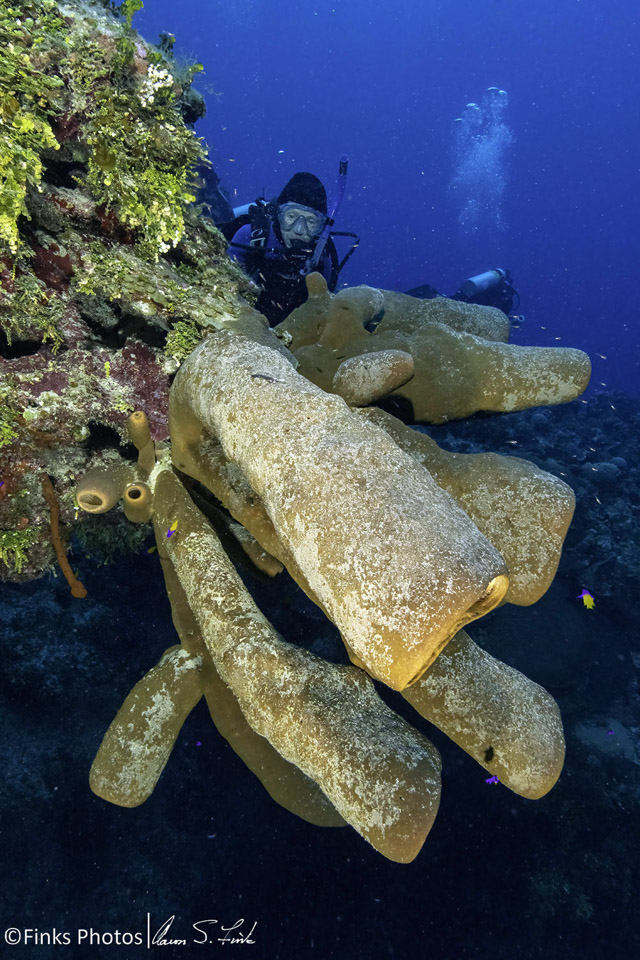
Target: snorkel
point(332, 210)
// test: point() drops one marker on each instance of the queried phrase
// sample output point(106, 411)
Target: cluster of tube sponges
point(446, 358)
point(400, 543)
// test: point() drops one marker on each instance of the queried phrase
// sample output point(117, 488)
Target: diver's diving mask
point(300, 223)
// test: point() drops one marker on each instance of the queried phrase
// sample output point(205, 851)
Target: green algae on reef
point(109, 272)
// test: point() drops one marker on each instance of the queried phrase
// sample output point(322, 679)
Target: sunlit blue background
point(292, 84)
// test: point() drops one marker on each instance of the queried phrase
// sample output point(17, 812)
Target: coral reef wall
point(109, 271)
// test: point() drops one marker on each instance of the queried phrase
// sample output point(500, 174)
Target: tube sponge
point(138, 502)
point(380, 774)
point(462, 362)
point(505, 721)
point(284, 782)
point(524, 511)
point(396, 564)
point(363, 380)
point(458, 374)
point(137, 745)
point(100, 488)
point(322, 317)
point(140, 434)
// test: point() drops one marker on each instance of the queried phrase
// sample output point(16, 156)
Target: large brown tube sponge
point(380, 774)
point(396, 564)
point(505, 721)
point(462, 363)
point(458, 374)
point(290, 461)
point(323, 315)
point(139, 741)
point(137, 745)
point(524, 511)
point(365, 379)
point(284, 782)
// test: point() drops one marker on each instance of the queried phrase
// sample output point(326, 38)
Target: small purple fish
point(172, 529)
point(492, 779)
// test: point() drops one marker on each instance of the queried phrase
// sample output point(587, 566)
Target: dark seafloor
point(499, 876)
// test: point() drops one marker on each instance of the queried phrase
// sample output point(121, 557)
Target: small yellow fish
point(152, 549)
point(587, 599)
point(172, 529)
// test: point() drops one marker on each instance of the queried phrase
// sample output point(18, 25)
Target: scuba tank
point(493, 288)
point(488, 280)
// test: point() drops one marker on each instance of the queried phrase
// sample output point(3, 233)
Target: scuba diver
point(279, 242)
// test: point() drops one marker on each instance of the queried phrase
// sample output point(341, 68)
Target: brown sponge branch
point(77, 589)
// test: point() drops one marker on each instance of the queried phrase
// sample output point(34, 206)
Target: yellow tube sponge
point(397, 565)
point(380, 774)
point(101, 487)
point(505, 721)
point(138, 502)
point(140, 434)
